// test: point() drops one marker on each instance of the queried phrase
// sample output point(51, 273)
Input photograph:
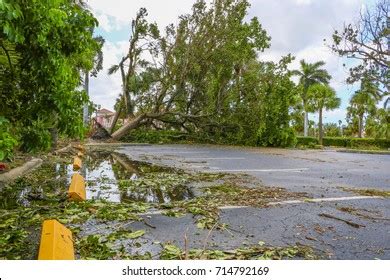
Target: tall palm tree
point(362, 103)
point(310, 74)
point(322, 97)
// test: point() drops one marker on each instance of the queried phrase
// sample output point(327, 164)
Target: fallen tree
point(202, 76)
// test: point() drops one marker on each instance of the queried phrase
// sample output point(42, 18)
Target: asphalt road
point(321, 174)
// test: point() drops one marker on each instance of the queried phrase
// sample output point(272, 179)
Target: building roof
point(105, 111)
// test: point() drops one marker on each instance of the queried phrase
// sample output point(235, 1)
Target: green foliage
point(254, 252)
point(274, 128)
point(50, 43)
point(362, 106)
point(336, 141)
point(35, 136)
point(332, 130)
point(95, 247)
point(378, 125)
point(369, 143)
point(7, 142)
point(309, 74)
point(213, 90)
point(322, 97)
point(307, 141)
point(359, 143)
point(155, 136)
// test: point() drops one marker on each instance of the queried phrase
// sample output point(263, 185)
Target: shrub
point(154, 136)
point(307, 141)
point(369, 143)
point(35, 137)
point(336, 141)
point(7, 142)
point(271, 137)
point(346, 142)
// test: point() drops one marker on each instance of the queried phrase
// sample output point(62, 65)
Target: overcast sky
point(296, 26)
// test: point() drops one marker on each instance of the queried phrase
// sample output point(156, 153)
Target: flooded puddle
point(108, 176)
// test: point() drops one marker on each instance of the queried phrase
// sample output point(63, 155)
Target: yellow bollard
point(76, 190)
point(80, 148)
point(76, 163)
point(56, 242)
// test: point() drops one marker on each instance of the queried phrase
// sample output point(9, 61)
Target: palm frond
point(113, 69)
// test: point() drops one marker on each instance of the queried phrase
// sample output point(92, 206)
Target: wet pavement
point(318, 209)
point(337, 229)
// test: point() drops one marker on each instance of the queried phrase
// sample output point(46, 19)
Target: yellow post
point(76, 190)
point(80, 154)
point(56, 242)
point(80, 148)
point(76, 163)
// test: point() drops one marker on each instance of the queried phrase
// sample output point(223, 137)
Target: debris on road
point(352, 224)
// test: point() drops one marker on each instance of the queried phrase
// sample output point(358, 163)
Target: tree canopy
point(203, 76)
point(45, 45)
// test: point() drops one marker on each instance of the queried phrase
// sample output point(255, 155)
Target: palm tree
point(310, 74)
point(363, 102)
point(322, 97)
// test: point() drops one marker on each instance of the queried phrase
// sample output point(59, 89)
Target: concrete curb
point(20, 171)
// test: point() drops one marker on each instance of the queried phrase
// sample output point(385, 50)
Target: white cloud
point(162, 12)
point(303, 2)
point(107, 22)
point(105, 88)
point(104, 22)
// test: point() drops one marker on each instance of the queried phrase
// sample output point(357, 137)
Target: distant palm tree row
point(316, 95)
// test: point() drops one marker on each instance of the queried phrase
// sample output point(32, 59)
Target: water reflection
point(102, 172)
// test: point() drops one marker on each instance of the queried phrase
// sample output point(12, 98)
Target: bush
point(35, 137)
point(336, 141)
point(360, 143)
point(276, 138)
point(369, 143)
point(307, 141)
point(7, 142)
point(154, 136)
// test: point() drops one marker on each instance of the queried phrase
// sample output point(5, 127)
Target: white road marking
point(172, 153)
point(312, 200)
point(265, 170)
point(216, 158)
point(197, 166)
point(323, 199)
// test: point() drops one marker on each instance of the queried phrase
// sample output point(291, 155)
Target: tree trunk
point(54, 138)
point(134, 123)
point(115, 120)
point(306, 124)
point(320, 126)
point(85, 108)
point(360, 126)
